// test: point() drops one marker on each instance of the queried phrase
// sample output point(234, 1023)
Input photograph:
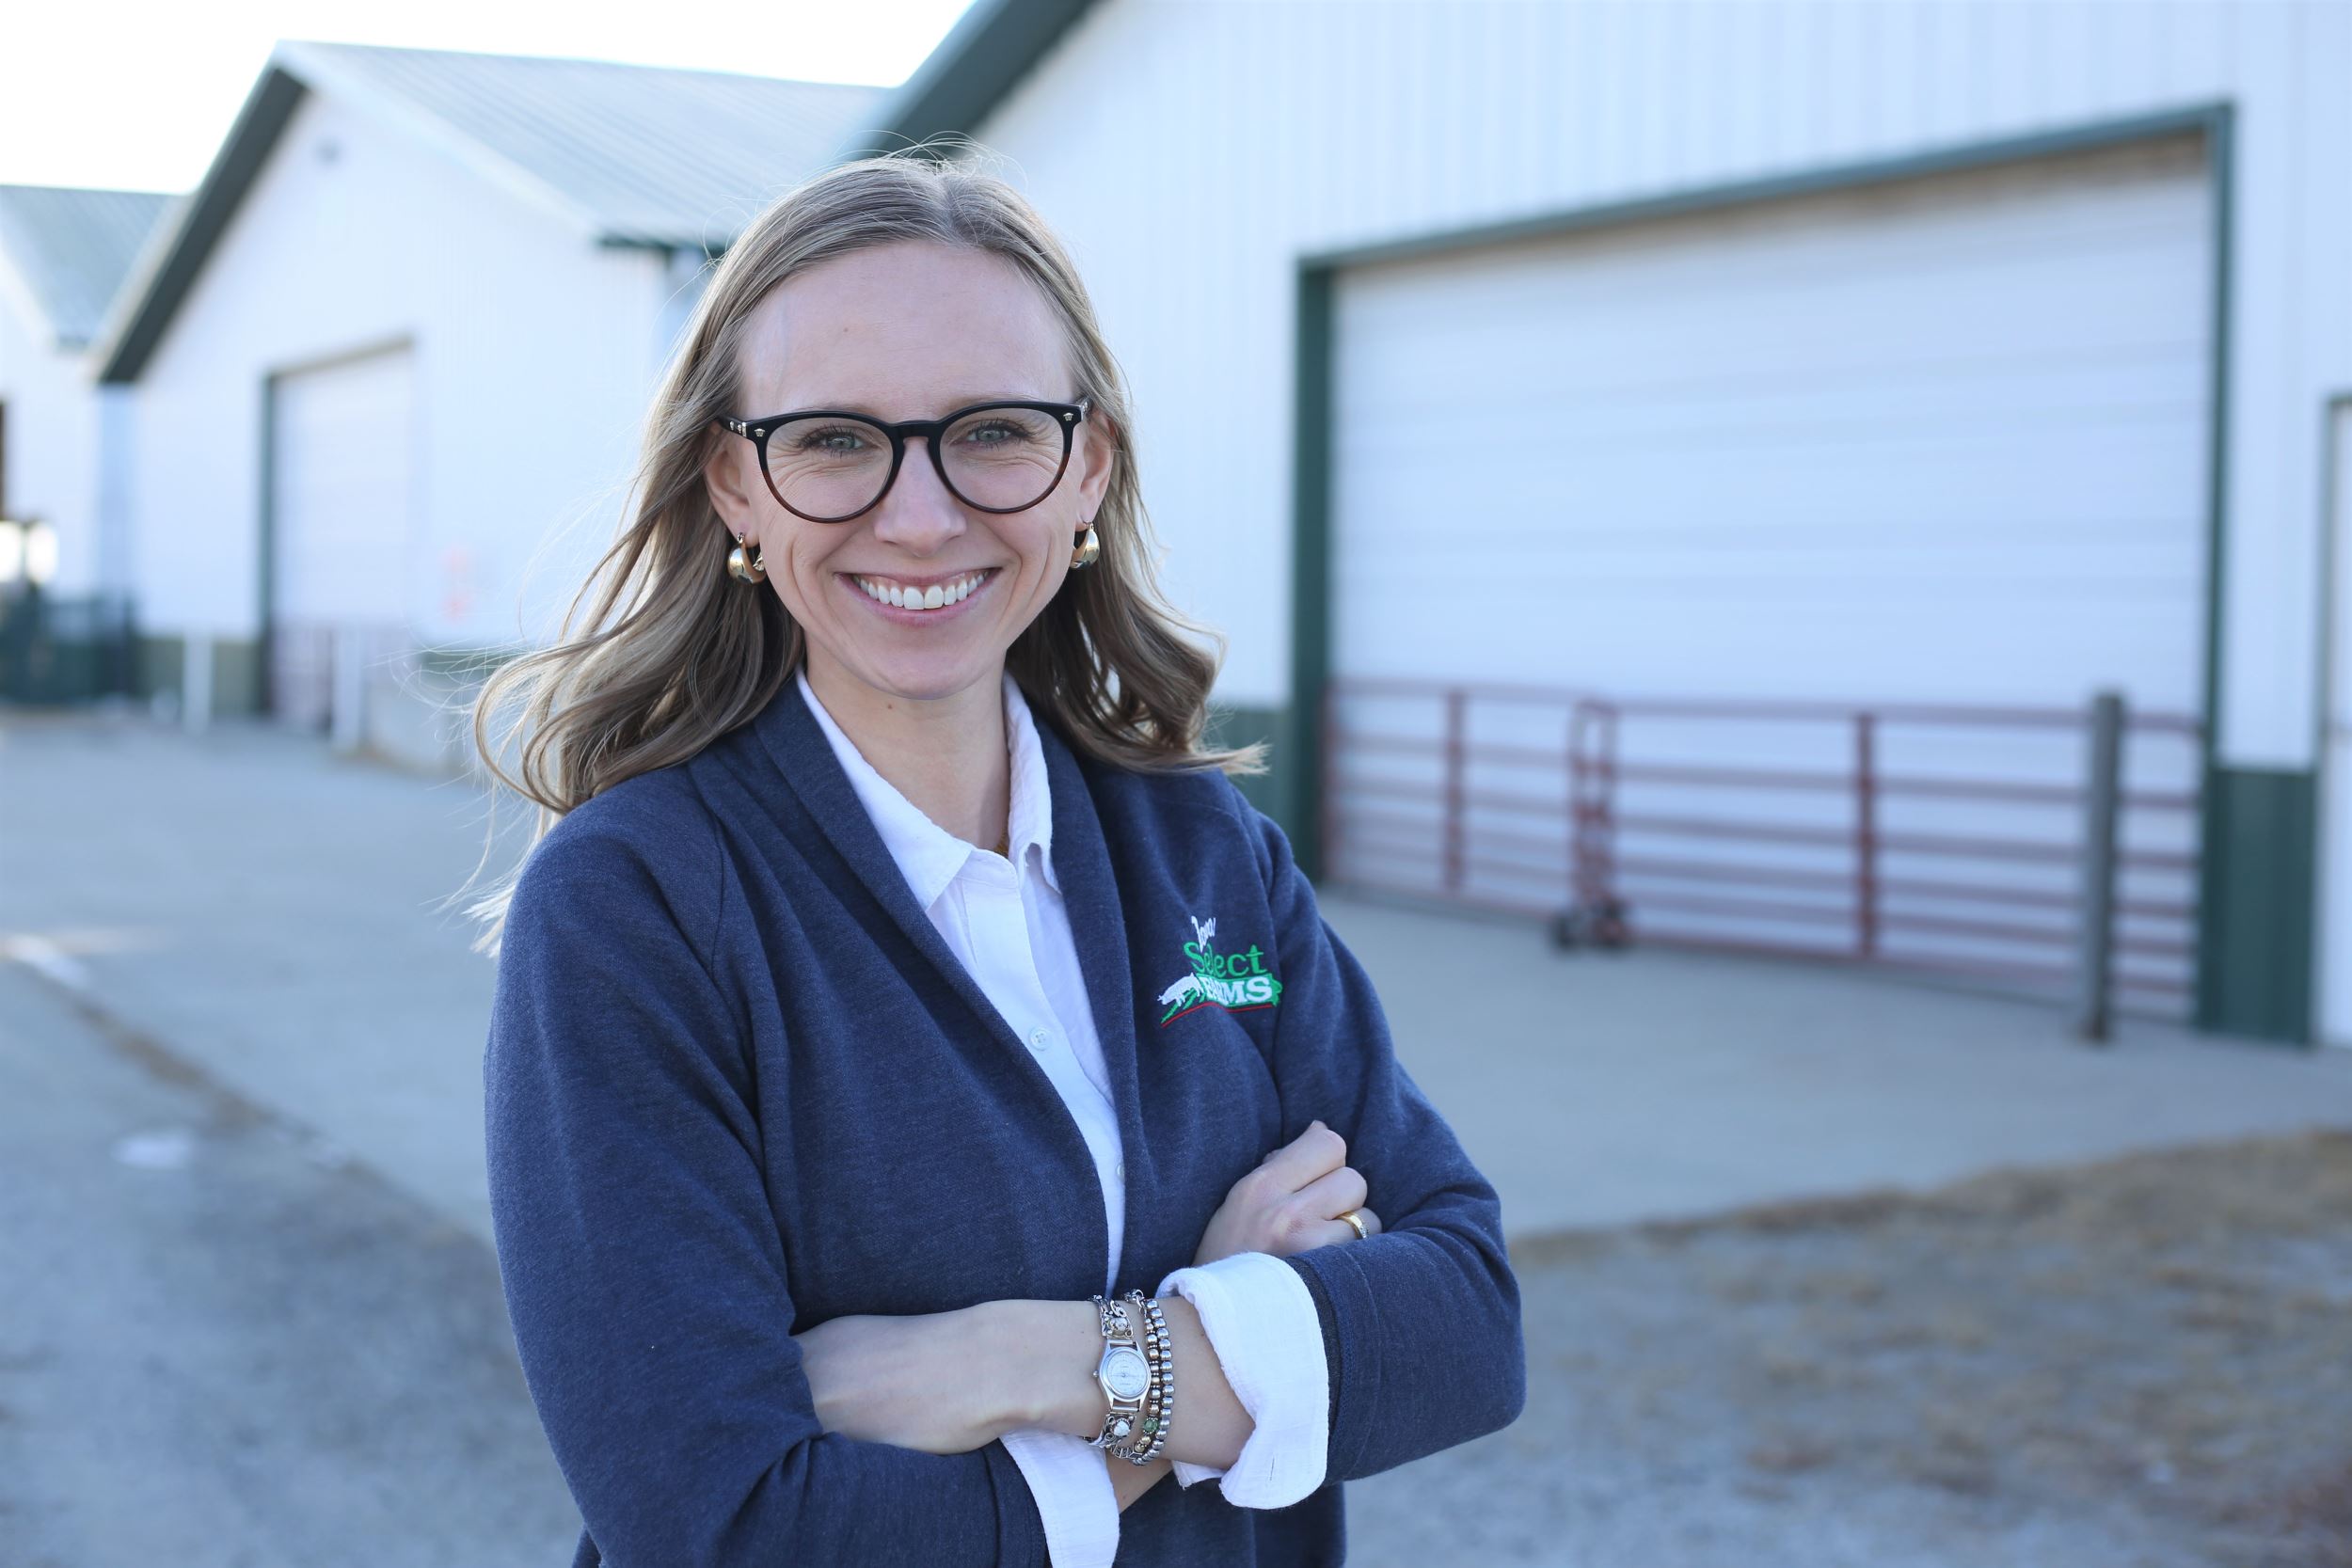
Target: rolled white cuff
point(1072, 1483)
point(1261, 1321)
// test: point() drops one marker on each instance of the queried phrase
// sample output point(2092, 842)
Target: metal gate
point(1965, 840)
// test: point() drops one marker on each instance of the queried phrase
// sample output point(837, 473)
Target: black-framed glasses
point(831, 466)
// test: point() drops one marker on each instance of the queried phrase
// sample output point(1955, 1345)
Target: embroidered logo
point(1235, 983)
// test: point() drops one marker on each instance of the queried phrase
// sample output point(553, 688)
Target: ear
point(728, 474)
point(1097, 452)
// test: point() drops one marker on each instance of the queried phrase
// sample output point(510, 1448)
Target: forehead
point(902, 331)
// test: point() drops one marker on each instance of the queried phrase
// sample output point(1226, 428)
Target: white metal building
point(1913, 355)
point(63, 253)
point(392, 360)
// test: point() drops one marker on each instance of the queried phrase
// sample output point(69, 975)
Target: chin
point(928, 678)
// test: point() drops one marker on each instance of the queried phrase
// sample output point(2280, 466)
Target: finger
point(1335, 1232)
point(1324, 1197)
point(1313, 1152)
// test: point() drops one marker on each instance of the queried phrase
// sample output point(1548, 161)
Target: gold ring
point(1350, 1218)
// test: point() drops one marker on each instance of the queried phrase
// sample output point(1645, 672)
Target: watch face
point(1126, 1373)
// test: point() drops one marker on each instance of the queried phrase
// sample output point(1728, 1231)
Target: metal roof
point(72, 247)
point(643, 155)
point(631, 155)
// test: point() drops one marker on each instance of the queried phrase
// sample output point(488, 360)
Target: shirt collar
point(1032, 814)
point(929, 856)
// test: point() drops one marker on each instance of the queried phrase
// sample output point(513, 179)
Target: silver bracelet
point(1147, 1419)
point(1163, 1382)
point(1123, 1375)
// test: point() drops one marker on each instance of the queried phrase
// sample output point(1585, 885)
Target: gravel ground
point(2145, 1362)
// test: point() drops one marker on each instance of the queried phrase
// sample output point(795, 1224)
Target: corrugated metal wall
point(1192, 153)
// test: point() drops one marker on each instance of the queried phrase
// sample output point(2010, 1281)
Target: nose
point(920, 513)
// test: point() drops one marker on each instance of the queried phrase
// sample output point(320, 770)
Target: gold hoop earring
point(1087, 550)
point(746, 567)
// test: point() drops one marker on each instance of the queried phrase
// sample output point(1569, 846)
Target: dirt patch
point(2142, 1361)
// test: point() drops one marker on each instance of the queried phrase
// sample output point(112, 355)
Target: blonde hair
point(675, 652)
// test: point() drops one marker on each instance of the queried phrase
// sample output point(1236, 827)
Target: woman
point(899, 984)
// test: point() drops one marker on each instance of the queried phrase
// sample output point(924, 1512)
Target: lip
point(922, 617)
point(922, 582)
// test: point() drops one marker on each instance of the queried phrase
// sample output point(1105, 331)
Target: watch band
point(1124, 1364)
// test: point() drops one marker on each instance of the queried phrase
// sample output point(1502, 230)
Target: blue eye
point(816, 440)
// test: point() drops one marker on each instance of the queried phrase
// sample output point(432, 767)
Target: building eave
point(174, 255)
point(975, 68)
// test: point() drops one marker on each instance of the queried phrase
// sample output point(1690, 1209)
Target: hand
point(1292, 1202)
point(911, 1380)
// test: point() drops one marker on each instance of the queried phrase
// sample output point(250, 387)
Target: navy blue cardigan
point(736, 1086)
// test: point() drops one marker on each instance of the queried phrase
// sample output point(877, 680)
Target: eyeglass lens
point(835, 466)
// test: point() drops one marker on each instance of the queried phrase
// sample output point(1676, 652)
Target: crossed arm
point(1020, 1364)
point(952, 1382)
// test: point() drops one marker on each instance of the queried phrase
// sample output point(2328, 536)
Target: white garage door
point(1937, 442)
point(344, 529)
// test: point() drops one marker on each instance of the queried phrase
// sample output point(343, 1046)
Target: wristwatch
point(1123, 1373)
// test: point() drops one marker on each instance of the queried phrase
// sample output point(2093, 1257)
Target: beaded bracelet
point(1162, 1393)
point(1146, 1415)
point(1151, 1337)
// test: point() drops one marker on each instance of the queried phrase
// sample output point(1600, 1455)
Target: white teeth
point(933, 598)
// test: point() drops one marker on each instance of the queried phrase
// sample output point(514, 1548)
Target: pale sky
point(138, 96)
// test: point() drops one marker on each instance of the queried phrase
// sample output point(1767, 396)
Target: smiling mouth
point(937, 595)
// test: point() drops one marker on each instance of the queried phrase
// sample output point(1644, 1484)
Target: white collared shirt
point(1004, 920)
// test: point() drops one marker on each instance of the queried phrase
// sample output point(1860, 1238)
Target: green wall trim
point(2327, 788)
point(1240, 725)
point(236, 675)
point(1301, 813)
point(2220, 162)
point(2254, 926)
point(2238, 871)
point(265, 546)
point(236, 670)
point(2192, 120)
point(162, 664)
point(466, 663)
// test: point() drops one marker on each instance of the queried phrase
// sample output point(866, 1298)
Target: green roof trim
point(154, 297)
point(975, 68)
point(638, 156)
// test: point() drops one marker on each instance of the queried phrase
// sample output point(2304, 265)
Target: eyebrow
point(961, 400)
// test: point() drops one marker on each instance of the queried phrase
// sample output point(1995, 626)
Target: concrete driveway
point(269, 914)
point(241, 1133)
